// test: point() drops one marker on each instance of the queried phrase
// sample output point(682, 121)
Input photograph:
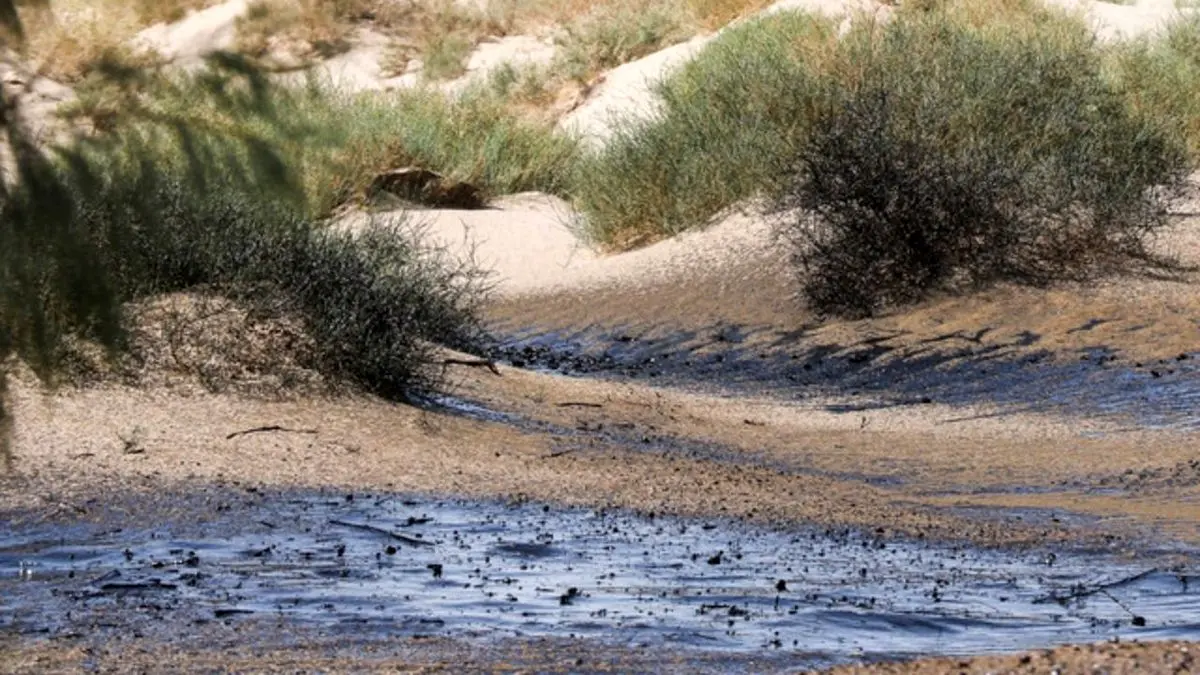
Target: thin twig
point(473, 363)
point(1083, 592)
point(579, 404)
point(560, 453)
point(411, 541)
point(272, 427)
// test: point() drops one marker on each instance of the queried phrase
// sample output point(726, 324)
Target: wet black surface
point(388, 565)
point(642, 438)
point(738, 360)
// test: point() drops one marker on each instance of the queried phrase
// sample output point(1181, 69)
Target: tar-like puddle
point(1164, 393)
point(390, 565)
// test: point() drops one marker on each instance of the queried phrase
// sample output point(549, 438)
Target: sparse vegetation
point(167, 11)
point(474, 139)
point(1161, 75)
point(713, 14)
point(613, 34)
point(730, 124)
point(445, 56)
point(303, 29)
point(70, 43)
point(961, 158)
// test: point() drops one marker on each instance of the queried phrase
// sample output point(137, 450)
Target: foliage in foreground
point(963, 158)
point(207, 197)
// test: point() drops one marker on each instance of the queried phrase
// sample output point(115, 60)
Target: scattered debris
point(411, 541)
point(272, 427)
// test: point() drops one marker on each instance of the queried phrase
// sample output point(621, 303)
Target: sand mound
point(186, 42)
point(1125, 21)
point(196, 343)
point(628, 90)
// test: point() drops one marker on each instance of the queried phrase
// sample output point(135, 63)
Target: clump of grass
point(731, 122)
point(613, 34)
point(713, 14)
point(70, 43)
point(445, 33)
point(962, 157)
point(317, 28)
point(338, 142)
point(445, 56)
point(1161, 75)
point(529, 88)
point(986, 14)
point(167, 11)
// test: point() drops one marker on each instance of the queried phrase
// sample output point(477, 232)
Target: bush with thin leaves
point(375, 302)
point(963, 158)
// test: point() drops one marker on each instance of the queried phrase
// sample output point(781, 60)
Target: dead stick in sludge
point(411, 541)
point(1085, 591)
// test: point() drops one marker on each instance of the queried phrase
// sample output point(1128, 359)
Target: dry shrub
point(68, 42)
point(617, 33)
point(713, 14)
point(167, 11)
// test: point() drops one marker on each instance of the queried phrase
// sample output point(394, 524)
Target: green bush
point(333, 143)
point(961, 158)
point(731, 122)
point(1161, 75)
point(375, 303)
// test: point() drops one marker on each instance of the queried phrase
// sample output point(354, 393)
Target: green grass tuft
point(1161, 75)
point(730, 123)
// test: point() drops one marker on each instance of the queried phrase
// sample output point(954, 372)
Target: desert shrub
point(730, 123)
point(445, 57)
point(474, 138)
point(1161, 74)
point(166, 11)
point(374, 302)
point(961, 158)
point(617, 33)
